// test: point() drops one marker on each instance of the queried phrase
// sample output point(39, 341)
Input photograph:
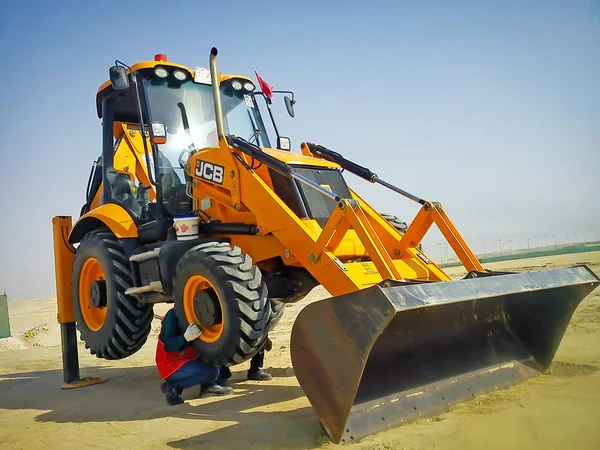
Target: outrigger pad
point(83, 382)
point(381, 357)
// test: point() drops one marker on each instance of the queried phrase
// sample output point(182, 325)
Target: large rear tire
point(398, 224)
point(218, 287)
point(112, 325)
point(395, 222)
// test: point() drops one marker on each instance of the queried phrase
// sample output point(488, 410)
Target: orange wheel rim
point(195, 284)
point(94, 317)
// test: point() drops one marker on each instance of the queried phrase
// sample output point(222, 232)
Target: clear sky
point(492, 108)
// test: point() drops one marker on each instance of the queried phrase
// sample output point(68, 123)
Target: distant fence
point(4, 322)
point(534, 254)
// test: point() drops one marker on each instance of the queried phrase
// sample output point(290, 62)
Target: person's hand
point(193, 332)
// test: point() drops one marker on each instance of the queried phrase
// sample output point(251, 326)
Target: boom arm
point(354, 168)
point(430, 213)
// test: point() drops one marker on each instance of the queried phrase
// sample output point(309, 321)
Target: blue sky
point(492, 108)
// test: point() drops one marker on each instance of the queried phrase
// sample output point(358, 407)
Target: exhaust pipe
point(216, 93)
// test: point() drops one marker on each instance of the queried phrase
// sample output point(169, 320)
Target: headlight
point(249, 86)
point(237, 85)
point(159, 133)
point(158, 129)
point(180, 75)
point(161, 72)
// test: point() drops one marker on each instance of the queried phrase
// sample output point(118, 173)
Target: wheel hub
point(207, 308)
point(98, 293)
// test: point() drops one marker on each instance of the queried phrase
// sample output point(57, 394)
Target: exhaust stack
point(216, 93)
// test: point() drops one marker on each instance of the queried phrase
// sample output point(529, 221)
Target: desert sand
point(558, 409)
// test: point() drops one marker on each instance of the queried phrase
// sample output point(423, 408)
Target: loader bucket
point(384, 356)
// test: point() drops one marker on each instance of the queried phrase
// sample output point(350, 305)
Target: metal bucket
point(384, 356)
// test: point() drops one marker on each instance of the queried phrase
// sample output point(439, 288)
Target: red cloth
point(169, 362)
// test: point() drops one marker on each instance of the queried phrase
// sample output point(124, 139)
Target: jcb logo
point(209, 171)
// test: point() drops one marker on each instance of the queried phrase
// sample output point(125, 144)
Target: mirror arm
point(286, 92)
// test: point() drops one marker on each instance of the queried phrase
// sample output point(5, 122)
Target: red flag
point(267, 90)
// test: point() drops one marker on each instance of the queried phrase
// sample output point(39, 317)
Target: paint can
point(186, 227)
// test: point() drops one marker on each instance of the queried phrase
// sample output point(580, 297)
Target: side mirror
point(284, 143)
point(118, 78)
point(289, 105)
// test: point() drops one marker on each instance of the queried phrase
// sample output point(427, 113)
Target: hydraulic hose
point(357, 170)
point(277, 165)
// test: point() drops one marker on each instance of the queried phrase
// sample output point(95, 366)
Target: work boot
point(225, 372)
point(172, 393)
point(209, 390)
point(224, 375)
point(222, 381)
point(259, 375)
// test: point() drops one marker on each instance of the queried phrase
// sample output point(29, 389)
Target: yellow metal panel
point(349, 247)
point(63, 266)
point(368, 274)
point(261, 248)
point(114, 217)
point(229, 77)
point(297, 158)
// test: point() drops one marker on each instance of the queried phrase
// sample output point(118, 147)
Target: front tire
point(218, 287)
point(113, 325)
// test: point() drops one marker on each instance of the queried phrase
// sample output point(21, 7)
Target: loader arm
point(392, 256)
point(382, 353)
point(430, 213)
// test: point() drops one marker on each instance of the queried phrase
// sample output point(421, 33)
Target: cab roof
point(160, 60)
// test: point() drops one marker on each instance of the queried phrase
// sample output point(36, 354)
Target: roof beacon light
point(160, 57)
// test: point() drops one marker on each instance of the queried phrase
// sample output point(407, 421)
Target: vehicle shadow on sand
point(134, 394)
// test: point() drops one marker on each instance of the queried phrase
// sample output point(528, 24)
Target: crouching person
point(179, 365)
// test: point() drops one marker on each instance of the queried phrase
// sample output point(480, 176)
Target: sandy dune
point(558, 409)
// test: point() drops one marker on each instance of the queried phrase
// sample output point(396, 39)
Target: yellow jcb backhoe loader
point(191, 204)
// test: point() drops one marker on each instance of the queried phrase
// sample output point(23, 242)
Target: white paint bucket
point(186, 227)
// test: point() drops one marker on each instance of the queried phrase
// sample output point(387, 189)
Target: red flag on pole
point(267, 90)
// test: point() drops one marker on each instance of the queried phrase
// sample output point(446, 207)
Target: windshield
point(186, 109)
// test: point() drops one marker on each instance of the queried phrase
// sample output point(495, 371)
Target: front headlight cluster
point(178, 74)
point(245, 85)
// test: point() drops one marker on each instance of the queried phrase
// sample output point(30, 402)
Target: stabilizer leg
point(63, 265)
point(70, 357)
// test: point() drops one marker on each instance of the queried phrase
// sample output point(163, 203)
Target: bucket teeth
point(384, 356)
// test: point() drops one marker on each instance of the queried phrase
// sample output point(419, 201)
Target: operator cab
point(175, 107)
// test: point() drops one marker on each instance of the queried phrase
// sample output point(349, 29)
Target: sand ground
point(559, 409)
